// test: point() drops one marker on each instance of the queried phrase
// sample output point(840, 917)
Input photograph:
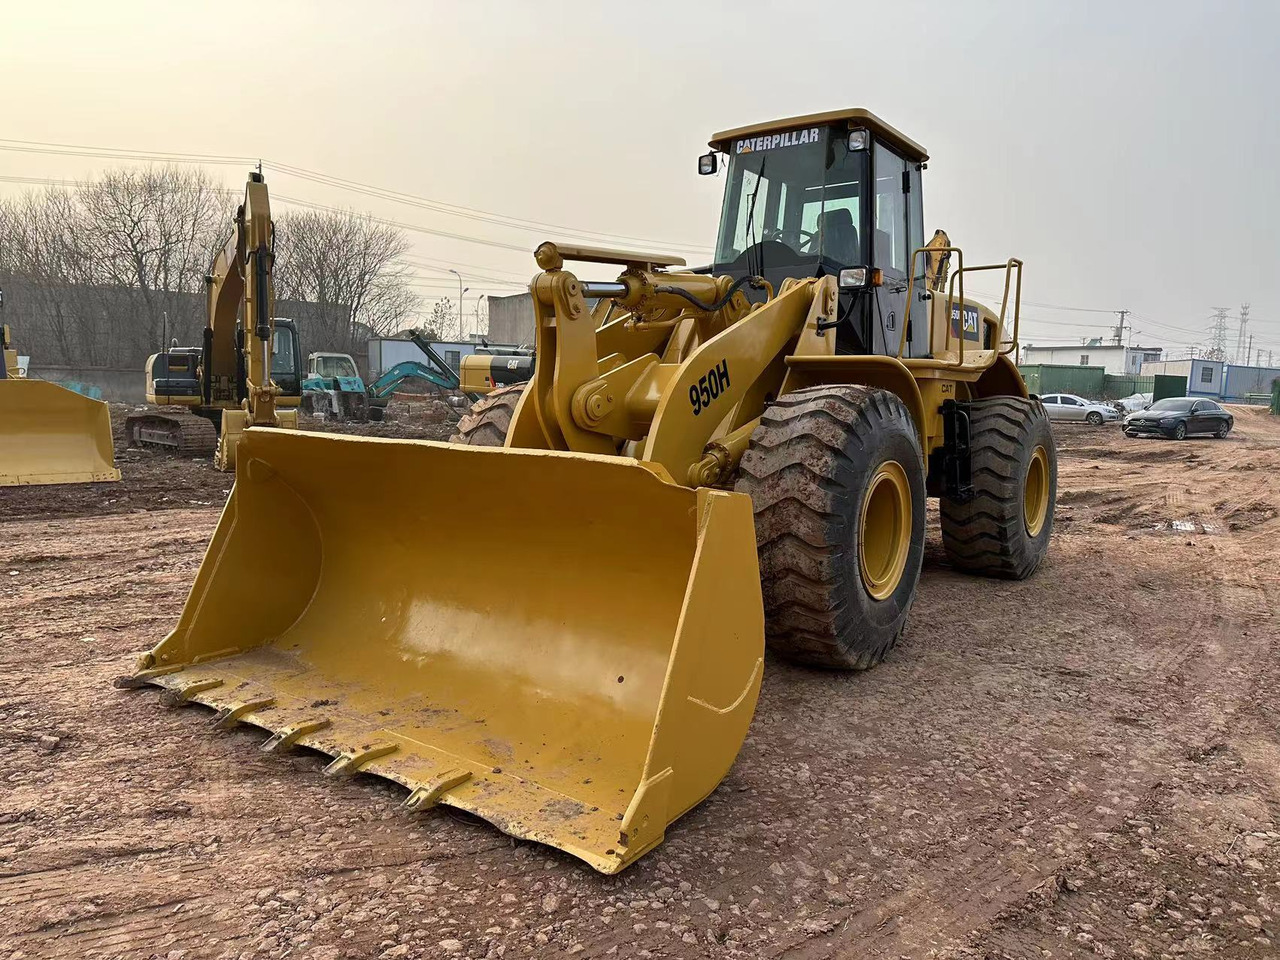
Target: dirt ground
point(1086, 763)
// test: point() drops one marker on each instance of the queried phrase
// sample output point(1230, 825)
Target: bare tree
point(152, 231)
point(99, 271)
point(99, 274)
point(444, 320)
point(347, 267)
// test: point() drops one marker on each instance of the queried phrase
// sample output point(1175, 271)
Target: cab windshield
point(282, 358)
point(338, 366)
point(793, 197)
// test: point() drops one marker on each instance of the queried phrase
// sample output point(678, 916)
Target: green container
point(1045, 378)
point(1115, 387)
point(1168, 385)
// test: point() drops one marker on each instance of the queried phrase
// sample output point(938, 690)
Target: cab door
point(890, 251)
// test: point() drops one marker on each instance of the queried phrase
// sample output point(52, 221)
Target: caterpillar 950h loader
point(248, 370)
point(49, 434)
point(713, 461)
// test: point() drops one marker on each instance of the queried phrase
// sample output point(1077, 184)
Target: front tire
point(490, 418)
point(1094, 418)
point(1180, 431)
point(1004, 530)
point(836, 480)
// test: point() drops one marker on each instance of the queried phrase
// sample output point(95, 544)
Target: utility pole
point(461, 290)
point(1218, 335)
point(1119, 337)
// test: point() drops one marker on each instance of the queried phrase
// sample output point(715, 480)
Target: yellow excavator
point(248, 371)
point(49, 434)
point(720, 460)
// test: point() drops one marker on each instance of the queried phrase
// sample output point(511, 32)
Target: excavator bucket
point(49, 434)
point(584, 684)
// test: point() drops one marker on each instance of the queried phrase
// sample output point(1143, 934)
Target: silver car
point(1067, 406)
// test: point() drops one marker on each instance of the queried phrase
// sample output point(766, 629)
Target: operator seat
point(840, 237)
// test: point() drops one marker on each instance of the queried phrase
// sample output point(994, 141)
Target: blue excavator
point(333, 385)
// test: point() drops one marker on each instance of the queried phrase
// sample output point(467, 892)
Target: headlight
point(853, 277)
point(1168, 419)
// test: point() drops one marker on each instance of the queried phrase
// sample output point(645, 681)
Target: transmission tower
point(1242, 336)
point(1217, 335)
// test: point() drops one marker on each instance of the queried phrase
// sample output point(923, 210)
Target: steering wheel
point(776, 234)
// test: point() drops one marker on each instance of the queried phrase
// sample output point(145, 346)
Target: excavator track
point(177, 432)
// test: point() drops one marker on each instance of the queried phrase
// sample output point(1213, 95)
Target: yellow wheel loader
point(49, 434)
point(249, 367)
point(715, 460)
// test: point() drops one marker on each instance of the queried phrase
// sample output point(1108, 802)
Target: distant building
point(383, 353)
point(511, 319)
point(1218, 379)
point(1116, 359)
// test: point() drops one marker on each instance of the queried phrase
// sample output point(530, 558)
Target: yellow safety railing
point(1012, 277)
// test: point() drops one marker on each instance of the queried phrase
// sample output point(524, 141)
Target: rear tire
point(836, 480)
point(1223, 430)
point(490, 418)
point(1004, 530)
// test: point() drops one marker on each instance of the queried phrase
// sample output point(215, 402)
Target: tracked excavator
point(49, 434)
point(248, 370)
point(722, 460)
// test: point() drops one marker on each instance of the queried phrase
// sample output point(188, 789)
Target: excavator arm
point(241, 326)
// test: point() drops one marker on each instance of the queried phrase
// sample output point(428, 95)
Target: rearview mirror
point(707, 164)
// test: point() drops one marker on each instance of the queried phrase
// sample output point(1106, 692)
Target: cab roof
point(853, 117)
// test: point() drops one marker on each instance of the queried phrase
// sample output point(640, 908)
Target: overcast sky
point(1126, 151)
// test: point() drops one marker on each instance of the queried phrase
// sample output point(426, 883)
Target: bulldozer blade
point(584, 684)
point(49, 434)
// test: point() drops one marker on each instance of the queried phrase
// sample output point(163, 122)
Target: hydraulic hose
point(757, 283)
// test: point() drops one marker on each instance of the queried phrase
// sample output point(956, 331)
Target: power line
point(355, 186)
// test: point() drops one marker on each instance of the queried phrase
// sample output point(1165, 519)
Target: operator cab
point(286, 358)
point(831, 194)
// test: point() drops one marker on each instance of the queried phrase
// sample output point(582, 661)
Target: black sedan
point(1178, 418)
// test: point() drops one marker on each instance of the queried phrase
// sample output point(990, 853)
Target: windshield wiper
point(751, 221)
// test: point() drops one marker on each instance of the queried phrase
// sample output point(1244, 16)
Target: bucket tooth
point(134, 681)
point(349, 763)
point(429, 793)
point(229, 716)
point(176, 696)
point(283, 740)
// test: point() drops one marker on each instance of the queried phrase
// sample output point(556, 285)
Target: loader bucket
point(49, 434)
point(569, 646)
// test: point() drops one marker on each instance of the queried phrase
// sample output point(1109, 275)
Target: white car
point(1067, 406)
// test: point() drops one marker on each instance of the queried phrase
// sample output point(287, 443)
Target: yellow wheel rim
point(1035, 497)
point(884, 534)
